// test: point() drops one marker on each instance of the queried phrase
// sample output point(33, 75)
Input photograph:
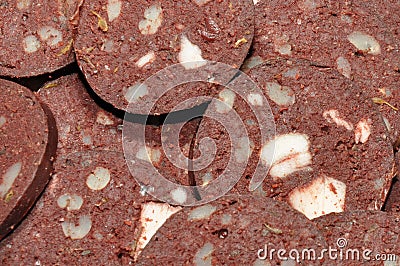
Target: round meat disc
point(330, 152)
point(362, 236)
point(119, 45)
point(28, 142)
point(234, 230)
point(37, 36)
point(92, 210)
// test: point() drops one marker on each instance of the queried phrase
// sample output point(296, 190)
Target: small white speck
point(144, 189)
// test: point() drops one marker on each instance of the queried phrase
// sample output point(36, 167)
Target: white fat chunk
point(363, 131)
point(244, 150)
point(295, 163)
point(179, 195)
point(286, 154)
point(113, 9)
point(252, 62)
point(31, 44)
point(387, 124)
point(152, 217)
point(201, 2)
point(333, 116)
point(146, 59)
point(107, 46)
point(308, 5)
point(9, 177)
point(136, 92)
point(321, 196)
point(99, 179)
point(207, 178)
point(395, 262)
point(203, 256)
point(50, 35)
point(149, 154)
point(2, 121)
point(284, 49)
point(86, 139)
point(255, 99)
point(282, 46)
point(202, 212)
point(103, 119)
point(281, 95)
point(344, 67)
point(23, 4)
point(226, 219)
point(79, 231)
point(70, 201)
point(364, 42)
point(190, 54)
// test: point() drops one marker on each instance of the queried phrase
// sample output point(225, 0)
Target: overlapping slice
point(120, 44)
point(157, 156)
point(392, 203)
point(28, 142)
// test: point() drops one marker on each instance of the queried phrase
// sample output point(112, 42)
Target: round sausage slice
point(28, 142)
point(119, 45)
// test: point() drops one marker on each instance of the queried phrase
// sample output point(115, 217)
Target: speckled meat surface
point(82, 124)
point(330, 147)
point(372, 235)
